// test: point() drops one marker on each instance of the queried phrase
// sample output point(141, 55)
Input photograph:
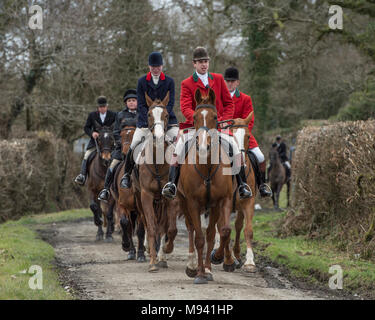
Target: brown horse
point(277, 177)
point(203, 186)
point(159, 214)
point(127, 217)
point(244, 207)
point(95, 182)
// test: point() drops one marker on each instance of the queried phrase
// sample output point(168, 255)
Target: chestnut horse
point(95, 182)
point(158, 214)
point(127, 216)
point(244, 207)
point(206, 185)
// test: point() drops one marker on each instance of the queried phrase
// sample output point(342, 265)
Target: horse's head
point(157, 116)
point(241, 132)
point(105, 141)
point(205, 119)
point(274, 155)
point(126, 138)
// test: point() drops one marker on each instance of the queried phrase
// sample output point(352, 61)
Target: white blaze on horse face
point(106, 135)
point(203, 136)
point(159, 125)
point(249, 257)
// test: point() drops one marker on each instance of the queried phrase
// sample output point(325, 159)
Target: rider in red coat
point(243, 107)
point(203, 80)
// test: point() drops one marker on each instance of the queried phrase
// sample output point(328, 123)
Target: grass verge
point(310, 260)
point(21, 248)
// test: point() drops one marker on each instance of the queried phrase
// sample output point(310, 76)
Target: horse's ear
point(149, 101)
point(165, 100)
point(249, 117)
point(212, 97)
point(198, 97)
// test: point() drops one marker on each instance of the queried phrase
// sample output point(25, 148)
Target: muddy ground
point(100, 270)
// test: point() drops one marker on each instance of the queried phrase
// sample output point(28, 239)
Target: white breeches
point(258, 154)
point(287, 164)
point(88, 152)
point(144, 132)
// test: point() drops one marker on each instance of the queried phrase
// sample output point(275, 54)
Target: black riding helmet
point(131, 93)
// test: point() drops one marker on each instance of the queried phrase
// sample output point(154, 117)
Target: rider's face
point(131, 104)
point(232, 85)
point(201, 66)
point(103, 109)
point(156, 71)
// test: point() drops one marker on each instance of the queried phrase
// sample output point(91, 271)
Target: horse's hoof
point(191, 273)
point(229, 267)
point(108, 239)
point(99, 237)
point(162, 264)
point(153, 268)
point(126, 247)
point(209, 276)
point(200, 280)
point(240, 264)
point(250, 268)
point(214, 260)
point(141, 259)
point(131, 256)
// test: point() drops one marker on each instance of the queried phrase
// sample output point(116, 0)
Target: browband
point(209, 106)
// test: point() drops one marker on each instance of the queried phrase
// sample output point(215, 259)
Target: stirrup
point(167, 192)
point(80, 179)
point(243, 187)
point(104, 195)
point(267, 191)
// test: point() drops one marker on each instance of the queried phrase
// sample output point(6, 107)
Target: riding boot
point(104, 194)
point(170, 189)
point(81, 178)
point(264, 189)
point(129, 164)
point(244, 190)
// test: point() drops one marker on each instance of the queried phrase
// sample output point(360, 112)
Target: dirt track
point(100, 271)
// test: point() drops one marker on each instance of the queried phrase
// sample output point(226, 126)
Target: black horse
point(95, 182)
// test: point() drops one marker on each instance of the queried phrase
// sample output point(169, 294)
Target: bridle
point(161, 123)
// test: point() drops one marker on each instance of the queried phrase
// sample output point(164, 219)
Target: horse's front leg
point(223, 253)
point(149, 214)
point(141, 239)
point(249, 265)
point(172, 226)
point(194, 213)
point(210, 240)
point(238, 226)
point(192, 265)
point(110, 221)
point(97, 212)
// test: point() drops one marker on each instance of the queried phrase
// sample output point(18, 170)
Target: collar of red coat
point(196, 78)
point(237, 93)
point(149, 76)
